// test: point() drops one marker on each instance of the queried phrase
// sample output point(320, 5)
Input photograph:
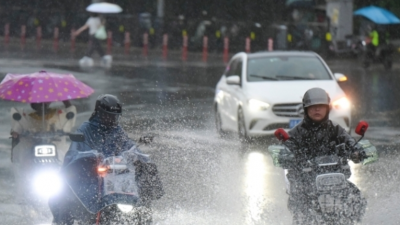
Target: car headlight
point(125, 208)
point(341, 103)
point(45, 150)
point(256, 105)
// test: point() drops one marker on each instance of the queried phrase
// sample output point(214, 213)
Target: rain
point(203, 86)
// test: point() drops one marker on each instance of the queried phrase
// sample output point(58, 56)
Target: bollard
point(38, 37)
point(6, 34)
point(55, 42)
point(248, 43)
point(165, 46)
point(23, 37)
point(145, 44)
point(270, 44)
point(205, 48)
point(109, 42)
point(184, 47)
point(127, 42)
point(226, 49)
point(72, 40)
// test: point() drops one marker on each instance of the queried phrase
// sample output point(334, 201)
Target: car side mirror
point(17, 116)
point(77, 137)
point(233, 80)
point(340, 77)
point(361, 128)
point(281, 134)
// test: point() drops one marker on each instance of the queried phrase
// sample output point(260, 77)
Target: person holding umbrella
point(40, 90)
point(97, 32)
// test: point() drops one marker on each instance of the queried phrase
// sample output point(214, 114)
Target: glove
point(146, 139)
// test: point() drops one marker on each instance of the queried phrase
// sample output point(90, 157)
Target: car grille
point(289, 110)
point(275, 126)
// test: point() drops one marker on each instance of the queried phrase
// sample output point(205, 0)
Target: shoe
point(106, 61)
point(86, 62)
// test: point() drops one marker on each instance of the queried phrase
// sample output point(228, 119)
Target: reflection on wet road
point(210, 180)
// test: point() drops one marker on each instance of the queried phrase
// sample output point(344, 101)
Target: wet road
point(209, 180)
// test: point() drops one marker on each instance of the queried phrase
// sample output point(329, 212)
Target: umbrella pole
point(43, 116)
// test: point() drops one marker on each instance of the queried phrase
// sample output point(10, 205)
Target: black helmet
point(109, 108)
point(316, 96)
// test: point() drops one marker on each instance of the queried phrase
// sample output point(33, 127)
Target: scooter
point(41, 163)
point(327, 196)
point(107, 190)
point(367, 54)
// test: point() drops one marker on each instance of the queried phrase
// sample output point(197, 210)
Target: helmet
point(316, 96)
point(109, 109)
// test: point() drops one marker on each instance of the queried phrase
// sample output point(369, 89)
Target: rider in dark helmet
point(102, 132)
point(315, 136)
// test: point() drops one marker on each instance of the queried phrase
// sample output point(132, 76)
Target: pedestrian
point(97, 32)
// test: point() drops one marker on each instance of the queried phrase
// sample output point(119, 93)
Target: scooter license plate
point(294, 122)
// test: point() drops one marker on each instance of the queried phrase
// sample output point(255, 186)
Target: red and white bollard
point(6, 34)
point(109, 42)
point(23, 36)
point(127, 42)
point(270, 44)
point(165, 46)
point(145, 44)
point(38, 37)
point(248, 45)
point(184, 48)
point(72, 40)
point(205, 48)
point(55, 42)
point(226, 50)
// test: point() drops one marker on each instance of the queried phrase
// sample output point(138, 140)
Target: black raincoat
point(309, 139)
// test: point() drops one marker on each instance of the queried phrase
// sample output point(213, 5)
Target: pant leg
point(89, 50)
point(97, 46)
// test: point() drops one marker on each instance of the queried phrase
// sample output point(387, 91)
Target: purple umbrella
point(42, 87)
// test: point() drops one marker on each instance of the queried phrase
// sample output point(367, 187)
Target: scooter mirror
point(17, 116)
point(77, 137)
point(361, 128)
point(70, 115)
point(281, 134)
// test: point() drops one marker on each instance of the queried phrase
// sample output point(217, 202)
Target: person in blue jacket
point(102, 132)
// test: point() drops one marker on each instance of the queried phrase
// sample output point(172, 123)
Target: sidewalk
point(134, 57)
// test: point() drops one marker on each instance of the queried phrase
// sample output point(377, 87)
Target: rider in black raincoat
point(315, 136)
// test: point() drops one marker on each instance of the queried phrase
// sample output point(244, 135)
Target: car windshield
point(286, 68)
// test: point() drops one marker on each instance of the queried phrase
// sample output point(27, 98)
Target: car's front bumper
point(263, 123)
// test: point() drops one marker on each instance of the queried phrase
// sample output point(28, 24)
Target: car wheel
point(242, 127)
point(218, 123)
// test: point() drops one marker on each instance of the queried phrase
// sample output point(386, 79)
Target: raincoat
point(110, 141)
point(78, 165)
point(309, 140)
point(306, 141)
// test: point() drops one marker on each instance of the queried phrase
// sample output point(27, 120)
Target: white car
point(260, 92)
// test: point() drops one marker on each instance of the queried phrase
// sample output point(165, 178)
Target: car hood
point(277, 92)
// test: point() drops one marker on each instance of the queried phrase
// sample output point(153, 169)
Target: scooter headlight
point(45, 150)
point(47, 183)
point(125, 208)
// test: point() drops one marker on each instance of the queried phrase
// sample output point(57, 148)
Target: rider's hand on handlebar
point(146, 139)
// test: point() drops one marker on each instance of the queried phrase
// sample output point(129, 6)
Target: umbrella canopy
point(378, 15)
point(42, 87)
point(104, 7)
